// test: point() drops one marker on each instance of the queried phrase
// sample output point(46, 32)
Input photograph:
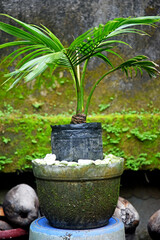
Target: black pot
point(77, 141)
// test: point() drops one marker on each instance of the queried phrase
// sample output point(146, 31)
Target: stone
point(128, 214)
point(4, 225)
point(153, 226)
point(21, 205)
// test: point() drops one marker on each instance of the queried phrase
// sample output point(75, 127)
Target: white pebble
point(39, 161)
point(50, 159)
point(57, 163)
point(85, 162)
point(50, 156)
point(97, 162)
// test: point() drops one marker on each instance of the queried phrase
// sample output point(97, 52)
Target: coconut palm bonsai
point(84, 194)
point(42, 49)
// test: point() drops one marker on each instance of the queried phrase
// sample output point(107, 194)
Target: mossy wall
point(67, 19)
point(134, 137)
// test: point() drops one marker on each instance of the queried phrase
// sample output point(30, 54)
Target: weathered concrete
point(69, 18)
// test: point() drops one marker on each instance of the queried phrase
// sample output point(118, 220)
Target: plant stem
point(82, 84)
point(78, 91)
point(77, 87)
point(94, 87)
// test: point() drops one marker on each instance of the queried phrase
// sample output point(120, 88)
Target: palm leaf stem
point(77, 87)
point(82, 82)
point(94, 87)
point(81, 51)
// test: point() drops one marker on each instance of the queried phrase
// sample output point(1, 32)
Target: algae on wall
point(67, 19)
point(134, 137)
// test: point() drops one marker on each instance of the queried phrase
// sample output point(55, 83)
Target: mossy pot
point(78, 197)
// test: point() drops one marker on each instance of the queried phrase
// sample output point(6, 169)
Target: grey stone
point(4, 225)
point(21, 205)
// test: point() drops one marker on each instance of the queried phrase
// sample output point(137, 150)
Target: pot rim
point(95, 125)
point(78, 173)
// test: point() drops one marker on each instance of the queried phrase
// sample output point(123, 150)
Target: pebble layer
point(50, 159)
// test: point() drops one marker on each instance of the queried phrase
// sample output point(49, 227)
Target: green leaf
point(137, 63)
point(35, 34)
point(16, 43)
point(104, 58)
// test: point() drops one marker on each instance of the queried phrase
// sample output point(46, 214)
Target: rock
point(128, 214)
point(21, 205)
point(4, 225)
point(153, 226)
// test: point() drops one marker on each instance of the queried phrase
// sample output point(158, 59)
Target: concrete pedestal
point(41, 230)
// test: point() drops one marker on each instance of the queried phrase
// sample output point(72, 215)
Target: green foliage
point(145, 135)
point(40, 49)
point(157, 155)
point(103, 107)
point(135, 144)
point(115, 151)
point(1, 114)
point(34, 156)
point(4, 160)
point(37, 105)
point(137, 163)
point(5, 140)
point(8, 108)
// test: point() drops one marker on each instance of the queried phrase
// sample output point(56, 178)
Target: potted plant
point(82, 193)
point(42, 49)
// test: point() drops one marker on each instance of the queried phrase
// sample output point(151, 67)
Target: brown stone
point(128, 214)
point(154, 226)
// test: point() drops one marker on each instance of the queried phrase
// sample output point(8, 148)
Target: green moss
point(55, 93)
point(133, 129)
point(134, 137)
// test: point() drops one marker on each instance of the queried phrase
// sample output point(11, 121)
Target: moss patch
point(54, 93)
point(136, 137)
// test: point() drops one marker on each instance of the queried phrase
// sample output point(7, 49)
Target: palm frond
point(16, 43)
point(98, 38)
point(104, 58)
point(42, 48)
point(34, 34)
point(32, 55)
point(33, 68)
point(52, 36)
point(139, 63)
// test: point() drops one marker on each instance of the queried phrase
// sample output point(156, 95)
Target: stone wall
point(69, 18)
